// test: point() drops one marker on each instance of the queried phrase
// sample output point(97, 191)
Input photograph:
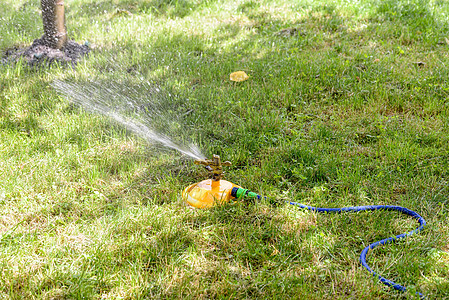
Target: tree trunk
point(55, 32)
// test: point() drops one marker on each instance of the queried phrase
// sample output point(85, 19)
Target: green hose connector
point(241, 193)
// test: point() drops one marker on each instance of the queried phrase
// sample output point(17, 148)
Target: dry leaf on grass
point(238, 76)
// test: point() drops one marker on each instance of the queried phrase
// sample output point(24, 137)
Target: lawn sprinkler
point(213, 191)
point(217, 191)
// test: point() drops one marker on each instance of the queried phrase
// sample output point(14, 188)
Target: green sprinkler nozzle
point(241, 193)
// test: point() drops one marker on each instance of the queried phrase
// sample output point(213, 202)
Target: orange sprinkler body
point(208, 193)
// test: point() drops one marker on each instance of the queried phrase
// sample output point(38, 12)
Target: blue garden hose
point(240, 193)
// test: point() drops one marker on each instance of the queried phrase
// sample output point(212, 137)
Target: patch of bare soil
point(38, 53)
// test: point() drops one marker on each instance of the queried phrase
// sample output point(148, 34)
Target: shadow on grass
point(416, 20)
point(32, 102)
point(170, 8)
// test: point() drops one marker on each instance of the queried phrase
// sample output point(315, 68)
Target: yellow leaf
point(238, 76)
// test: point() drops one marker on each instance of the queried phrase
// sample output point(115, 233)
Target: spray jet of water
point(94, 98)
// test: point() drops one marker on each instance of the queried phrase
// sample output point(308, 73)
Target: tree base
point(39, 53)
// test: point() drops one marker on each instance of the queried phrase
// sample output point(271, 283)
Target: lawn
point(347, 104)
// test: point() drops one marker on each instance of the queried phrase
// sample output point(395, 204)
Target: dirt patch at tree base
point(39, 53)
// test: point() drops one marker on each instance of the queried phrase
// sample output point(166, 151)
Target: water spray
point(217, 191)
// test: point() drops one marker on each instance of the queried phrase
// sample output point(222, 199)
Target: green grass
point(352, 109)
